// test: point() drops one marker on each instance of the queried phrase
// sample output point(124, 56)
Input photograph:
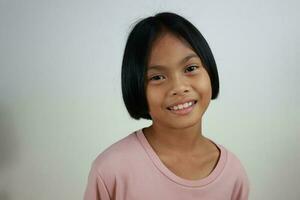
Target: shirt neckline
point(172, 176)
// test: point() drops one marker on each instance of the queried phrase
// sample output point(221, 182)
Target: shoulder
point(234, 162)
point(118, 156)
point(112, 166)
point(229, 160)
point(232, 157)
point(235, 171)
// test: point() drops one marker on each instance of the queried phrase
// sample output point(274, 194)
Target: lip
point(181, 102)
point(184, 111)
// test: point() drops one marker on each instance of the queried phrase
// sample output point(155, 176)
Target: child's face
point(175, 82)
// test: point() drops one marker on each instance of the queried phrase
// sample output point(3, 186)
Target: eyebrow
point(185, 59)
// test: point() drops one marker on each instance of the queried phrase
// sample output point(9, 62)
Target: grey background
point(60, 94)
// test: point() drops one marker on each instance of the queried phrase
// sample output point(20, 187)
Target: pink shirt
point(131, 170)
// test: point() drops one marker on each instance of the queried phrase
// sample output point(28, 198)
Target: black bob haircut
point(136, 53)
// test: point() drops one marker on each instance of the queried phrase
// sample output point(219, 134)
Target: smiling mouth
point(182, 107)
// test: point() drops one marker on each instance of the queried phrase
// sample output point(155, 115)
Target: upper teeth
point(181, 106)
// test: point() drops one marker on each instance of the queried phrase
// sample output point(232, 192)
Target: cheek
point(207, 88)
point(204, 87)
point(154, 97)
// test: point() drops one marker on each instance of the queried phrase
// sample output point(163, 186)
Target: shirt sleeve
point(241, 189)
point(96, 188)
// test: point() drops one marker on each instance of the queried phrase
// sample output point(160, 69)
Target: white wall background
point(60, 91)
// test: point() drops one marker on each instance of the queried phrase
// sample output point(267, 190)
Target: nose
point(179, 86)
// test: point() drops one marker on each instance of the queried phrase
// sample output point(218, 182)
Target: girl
point(169, 76)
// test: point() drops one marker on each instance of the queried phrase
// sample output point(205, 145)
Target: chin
point(183, 124)
point(178, 122)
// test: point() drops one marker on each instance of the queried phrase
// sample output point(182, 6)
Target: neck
point(173, 140)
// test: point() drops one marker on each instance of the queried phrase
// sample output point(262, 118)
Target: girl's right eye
point(156, 78)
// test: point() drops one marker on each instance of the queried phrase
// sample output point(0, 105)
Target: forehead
point(169, 48)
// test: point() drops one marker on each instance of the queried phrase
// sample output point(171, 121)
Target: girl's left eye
point(191, 68)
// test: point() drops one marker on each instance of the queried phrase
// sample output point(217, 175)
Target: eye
point(156, 78)
point(191, 68)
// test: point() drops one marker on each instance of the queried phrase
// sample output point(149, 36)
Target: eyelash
point(195, 66)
